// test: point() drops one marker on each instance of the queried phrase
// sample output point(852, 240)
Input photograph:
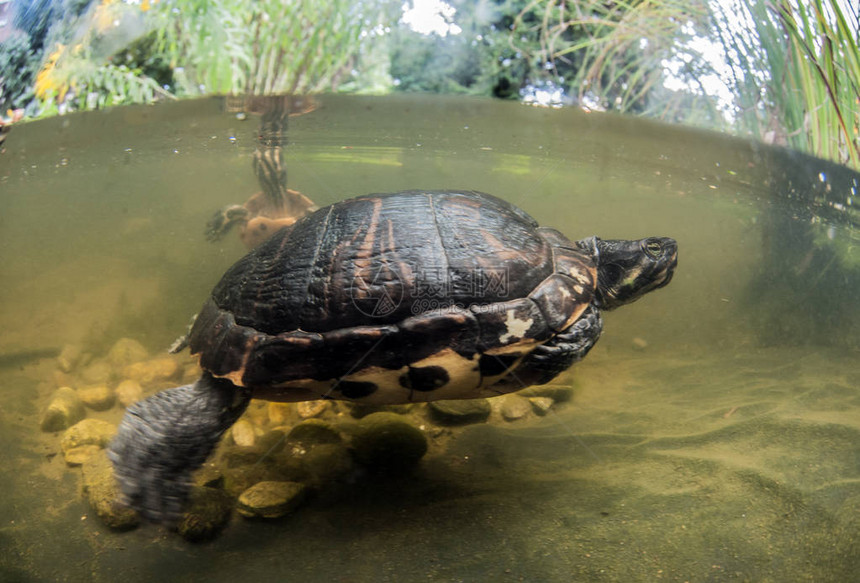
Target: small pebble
point(126, 351)
point(515, 407)
point(460, 412)
point(159, 369)
point(77, 456)
point(280, 413)
point(98, 398)
point(69, 357)
point(64, 410)
point(308, 409)
point(97, 373)
point(243, 433)
point(639, 343)
point(541, 405)
point(128, 392)
point(88, 432)
point(270, 499)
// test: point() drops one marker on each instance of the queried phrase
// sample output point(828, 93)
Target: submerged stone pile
point(274, 457)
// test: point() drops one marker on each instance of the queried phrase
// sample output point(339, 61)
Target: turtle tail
point(163, 439)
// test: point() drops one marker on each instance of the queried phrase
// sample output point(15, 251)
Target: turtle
point(382, 299)
point(275, 205)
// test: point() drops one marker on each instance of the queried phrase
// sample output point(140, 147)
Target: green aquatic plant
point(824, 78)
point(114, 51)
point(265, 47)
point(795, 74)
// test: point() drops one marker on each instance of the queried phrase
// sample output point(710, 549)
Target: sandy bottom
point(718, 467)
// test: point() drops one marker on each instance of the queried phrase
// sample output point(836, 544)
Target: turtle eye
point(653, 248)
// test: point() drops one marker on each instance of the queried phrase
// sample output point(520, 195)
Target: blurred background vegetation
point(782, 71)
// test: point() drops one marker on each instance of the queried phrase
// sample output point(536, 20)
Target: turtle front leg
point(557, 355)
point(163, 439)
point(224, 220)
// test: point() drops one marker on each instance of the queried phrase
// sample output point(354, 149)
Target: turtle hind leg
point(163, 439)
point(549, 360)
point(224, 220)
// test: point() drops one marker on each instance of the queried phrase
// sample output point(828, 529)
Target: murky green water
point(714, 433)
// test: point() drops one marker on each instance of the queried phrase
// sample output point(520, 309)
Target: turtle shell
point(391, 298)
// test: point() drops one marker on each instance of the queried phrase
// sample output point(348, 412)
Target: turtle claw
point(163, 439)
point(224, 220)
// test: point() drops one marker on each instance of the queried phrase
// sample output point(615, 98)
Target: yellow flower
point(45, 82)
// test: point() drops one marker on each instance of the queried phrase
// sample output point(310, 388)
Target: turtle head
point(627, 270)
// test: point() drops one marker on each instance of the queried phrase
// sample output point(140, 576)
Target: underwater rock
point(76, 456)
point(272, 441)
point(257, 412)
point(280, 413)
point(69, 358)
point(541, 405)
point(639, 344)
point(128, 392)
point(64, 410)
point(359, 410)
point(243, 433)
point(63, 379)
point(97, 373)
point(558, 393)
point(102, 492)
point(88, 432)
point(313, 432)
point(515, 407)
point(328, 462)
point(308, 409)
point(209, 475)
point(460, 412)
point(97, 398)
point(283, 467)
point(271, 499)
point(149, 371)
point(126, 351)
point(387, 440)
point(209, 511)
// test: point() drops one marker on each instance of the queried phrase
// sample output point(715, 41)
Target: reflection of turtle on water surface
point(275, 206)
point(513, 304)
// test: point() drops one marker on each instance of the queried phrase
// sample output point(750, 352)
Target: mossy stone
point(328, 463)
point(102, 492)
point(314, 432)
point(387, 440)
point(209, 511)
point(460, 412)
